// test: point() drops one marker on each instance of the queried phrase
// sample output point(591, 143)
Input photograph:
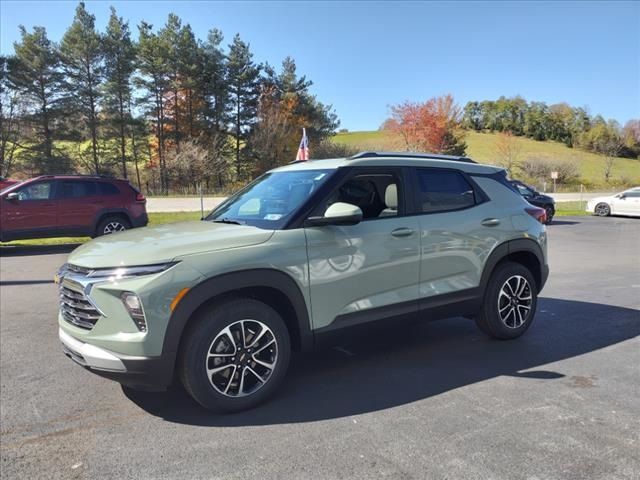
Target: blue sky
point(364, 56)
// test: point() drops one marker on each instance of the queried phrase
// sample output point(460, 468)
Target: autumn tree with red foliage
point(432, 126)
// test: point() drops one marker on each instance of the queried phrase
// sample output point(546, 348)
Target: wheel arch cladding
point(523, 251)
point(272, 287)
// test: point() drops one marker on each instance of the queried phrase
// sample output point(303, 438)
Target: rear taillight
point(539, 214)
point(140, 197)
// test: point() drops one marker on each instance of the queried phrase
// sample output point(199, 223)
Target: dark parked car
point(536, 198)
point(70, 205)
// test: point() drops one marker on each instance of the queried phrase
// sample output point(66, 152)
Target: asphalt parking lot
point(438, 400)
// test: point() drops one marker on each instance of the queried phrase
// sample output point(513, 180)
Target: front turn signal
point(177, 298)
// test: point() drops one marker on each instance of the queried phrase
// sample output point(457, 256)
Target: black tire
point(115, 223)
point(198, 344)
point(490, 320)
point(602, 210)
point(550, 213)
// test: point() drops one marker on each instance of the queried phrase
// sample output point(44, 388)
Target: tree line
point(168, 109)
point(573, 126)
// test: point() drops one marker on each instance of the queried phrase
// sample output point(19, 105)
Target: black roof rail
point(429, 156)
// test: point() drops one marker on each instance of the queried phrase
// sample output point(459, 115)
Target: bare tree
point(508, 149)
point(196, 163)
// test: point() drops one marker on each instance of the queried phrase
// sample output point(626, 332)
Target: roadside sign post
point(554, 175)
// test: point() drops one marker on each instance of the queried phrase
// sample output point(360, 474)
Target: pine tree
point(34, 72)
point(120, 57)
point(214, 89)
point(214, 84)
point(243, 79)
point(292, 93)
point(169, 35)
point(82, 59)
point(189, 79)
point(11, 111)
point(155, 82)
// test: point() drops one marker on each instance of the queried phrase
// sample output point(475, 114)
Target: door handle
point(402, 232)
point(490, 222)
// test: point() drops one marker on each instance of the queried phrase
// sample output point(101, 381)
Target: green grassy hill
point(482, 148)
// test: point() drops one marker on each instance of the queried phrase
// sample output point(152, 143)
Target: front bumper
point(145, 373)
point(89, 355)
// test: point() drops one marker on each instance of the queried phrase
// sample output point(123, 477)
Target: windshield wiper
point(229, 221)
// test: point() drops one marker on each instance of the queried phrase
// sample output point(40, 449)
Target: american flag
point(303, 149)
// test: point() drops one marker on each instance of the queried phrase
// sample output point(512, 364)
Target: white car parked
point(623, 203)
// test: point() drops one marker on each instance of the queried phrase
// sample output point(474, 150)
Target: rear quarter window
point(107, 189)
point(442, 191)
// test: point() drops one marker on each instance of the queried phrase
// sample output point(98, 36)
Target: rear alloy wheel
point(514, 301)
point(550, 213)
point(602, 210)
point(510, 302)
point(113, 224)
point(235, 355)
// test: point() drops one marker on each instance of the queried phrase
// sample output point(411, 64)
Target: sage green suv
point(304, 253)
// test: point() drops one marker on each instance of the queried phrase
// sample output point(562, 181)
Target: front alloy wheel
point(241, 358)
point(234, 355)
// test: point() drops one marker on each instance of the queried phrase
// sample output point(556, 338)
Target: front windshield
point(271, 200)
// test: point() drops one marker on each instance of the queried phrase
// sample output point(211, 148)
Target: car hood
point(163, 243)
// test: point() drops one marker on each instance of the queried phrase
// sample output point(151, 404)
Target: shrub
point(327, 149)
point(539, 169)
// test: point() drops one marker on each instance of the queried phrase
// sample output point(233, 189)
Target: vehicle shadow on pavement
point(563, 222)
point(26, 250)
point(404, 365)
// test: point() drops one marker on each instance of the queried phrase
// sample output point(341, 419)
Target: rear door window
point(442, 190)
point(77, 188)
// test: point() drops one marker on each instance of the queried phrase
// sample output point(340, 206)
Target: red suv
point(7, 182)
point(69, 205)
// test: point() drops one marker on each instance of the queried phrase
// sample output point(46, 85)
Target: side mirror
point(622, 196)
point(339, 213)
point(13, 196)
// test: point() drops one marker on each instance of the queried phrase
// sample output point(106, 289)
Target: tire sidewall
point(208, 325)
point(490, 309)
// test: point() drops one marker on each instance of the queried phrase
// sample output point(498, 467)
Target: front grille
point(77, 269)
point(77, 309)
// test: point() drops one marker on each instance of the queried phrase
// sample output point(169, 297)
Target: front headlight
point(134, 307)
